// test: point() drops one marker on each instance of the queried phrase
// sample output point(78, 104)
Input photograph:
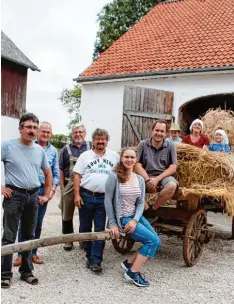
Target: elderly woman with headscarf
point(196, 138)
point(220, 143)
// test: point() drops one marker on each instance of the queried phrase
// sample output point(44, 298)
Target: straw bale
point(205, 173)
point(217, 118)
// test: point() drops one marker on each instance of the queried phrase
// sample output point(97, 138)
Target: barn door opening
point(197, 107)
point(141, 107)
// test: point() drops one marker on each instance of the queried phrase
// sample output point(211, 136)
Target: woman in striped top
point(124, 203)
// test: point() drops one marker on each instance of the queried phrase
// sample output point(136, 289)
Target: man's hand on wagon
point(6, 192)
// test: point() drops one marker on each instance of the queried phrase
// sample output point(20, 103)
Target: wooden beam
point(54, 240)
point(147, 114)
point(167, 227)
point(133, 127)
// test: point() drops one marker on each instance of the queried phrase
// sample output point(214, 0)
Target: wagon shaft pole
point(54, 240)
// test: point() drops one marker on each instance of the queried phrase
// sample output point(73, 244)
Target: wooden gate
point(141, 107)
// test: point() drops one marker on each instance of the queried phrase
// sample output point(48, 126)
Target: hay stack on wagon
point(217, 118)
point(205, 173)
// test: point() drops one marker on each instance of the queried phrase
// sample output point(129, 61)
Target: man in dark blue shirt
point(68, 157)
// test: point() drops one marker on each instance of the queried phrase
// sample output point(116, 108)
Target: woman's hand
point(115, 232)
point(130, 227)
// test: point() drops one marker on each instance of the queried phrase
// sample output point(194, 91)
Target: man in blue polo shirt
point(68, 157)
point(23, 160)
point(44, 135)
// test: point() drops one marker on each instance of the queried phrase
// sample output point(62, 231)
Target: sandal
point(5, 283)
point(30, 279)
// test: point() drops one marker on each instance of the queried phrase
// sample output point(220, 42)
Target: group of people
point(197, 137)
point(93, 178)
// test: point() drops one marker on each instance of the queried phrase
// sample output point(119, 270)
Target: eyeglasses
point(30, 127)
point(132, 157)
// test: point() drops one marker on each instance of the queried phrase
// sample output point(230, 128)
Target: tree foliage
point(60, 140)
point(71, 100)
point(116, 18)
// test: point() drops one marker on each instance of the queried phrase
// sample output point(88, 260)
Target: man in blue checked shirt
point(44, 135)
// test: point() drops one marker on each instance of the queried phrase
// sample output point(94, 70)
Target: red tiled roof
point(186, 34)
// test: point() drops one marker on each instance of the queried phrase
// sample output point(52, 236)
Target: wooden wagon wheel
point(196, 235)
point(123, 245)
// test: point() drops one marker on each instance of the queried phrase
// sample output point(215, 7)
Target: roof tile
point(178, 35)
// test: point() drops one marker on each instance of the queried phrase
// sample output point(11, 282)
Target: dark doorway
point(198, 107)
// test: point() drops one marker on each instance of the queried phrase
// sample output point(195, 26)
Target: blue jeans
point(40, 217)
point(145, 234)
point(22, 207)
point(93, 210)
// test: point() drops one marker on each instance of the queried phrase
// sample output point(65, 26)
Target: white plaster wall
point(9, 130)
point(102, 103)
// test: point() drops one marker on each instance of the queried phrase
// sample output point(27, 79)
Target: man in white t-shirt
point(90, 175)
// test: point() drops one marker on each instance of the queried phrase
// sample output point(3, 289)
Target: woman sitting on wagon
point(220, 143)
point(196, 138)
point(124, 203)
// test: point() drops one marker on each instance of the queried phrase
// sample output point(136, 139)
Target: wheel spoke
point(194, 235)
point(199, 246)
point(192, 253)
point(120, 241)
point(124, 242)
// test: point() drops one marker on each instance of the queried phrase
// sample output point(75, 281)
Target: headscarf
point(224, 135)
point(196, 121)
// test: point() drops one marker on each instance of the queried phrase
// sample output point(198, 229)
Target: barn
point(175, 63)
point(14, 71)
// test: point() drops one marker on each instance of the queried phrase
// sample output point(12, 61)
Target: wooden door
point(141, 107)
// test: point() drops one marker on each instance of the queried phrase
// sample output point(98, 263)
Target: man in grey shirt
point(156, 163)
point(22, 160)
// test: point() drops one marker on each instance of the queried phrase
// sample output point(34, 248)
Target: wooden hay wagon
point(206, 184)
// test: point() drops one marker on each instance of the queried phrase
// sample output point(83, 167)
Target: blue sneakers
point(125, 265)
point(136, 278)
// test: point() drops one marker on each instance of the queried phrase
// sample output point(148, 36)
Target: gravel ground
point(63, 277)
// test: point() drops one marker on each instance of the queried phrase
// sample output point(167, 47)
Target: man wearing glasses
point(44, 135)
point(67, 160)
point(23, 159)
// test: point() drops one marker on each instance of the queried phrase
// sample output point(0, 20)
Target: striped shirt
point(128, 196)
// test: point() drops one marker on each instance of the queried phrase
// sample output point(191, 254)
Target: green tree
point(60, 140)
point(71, 100)
point(116, 18)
